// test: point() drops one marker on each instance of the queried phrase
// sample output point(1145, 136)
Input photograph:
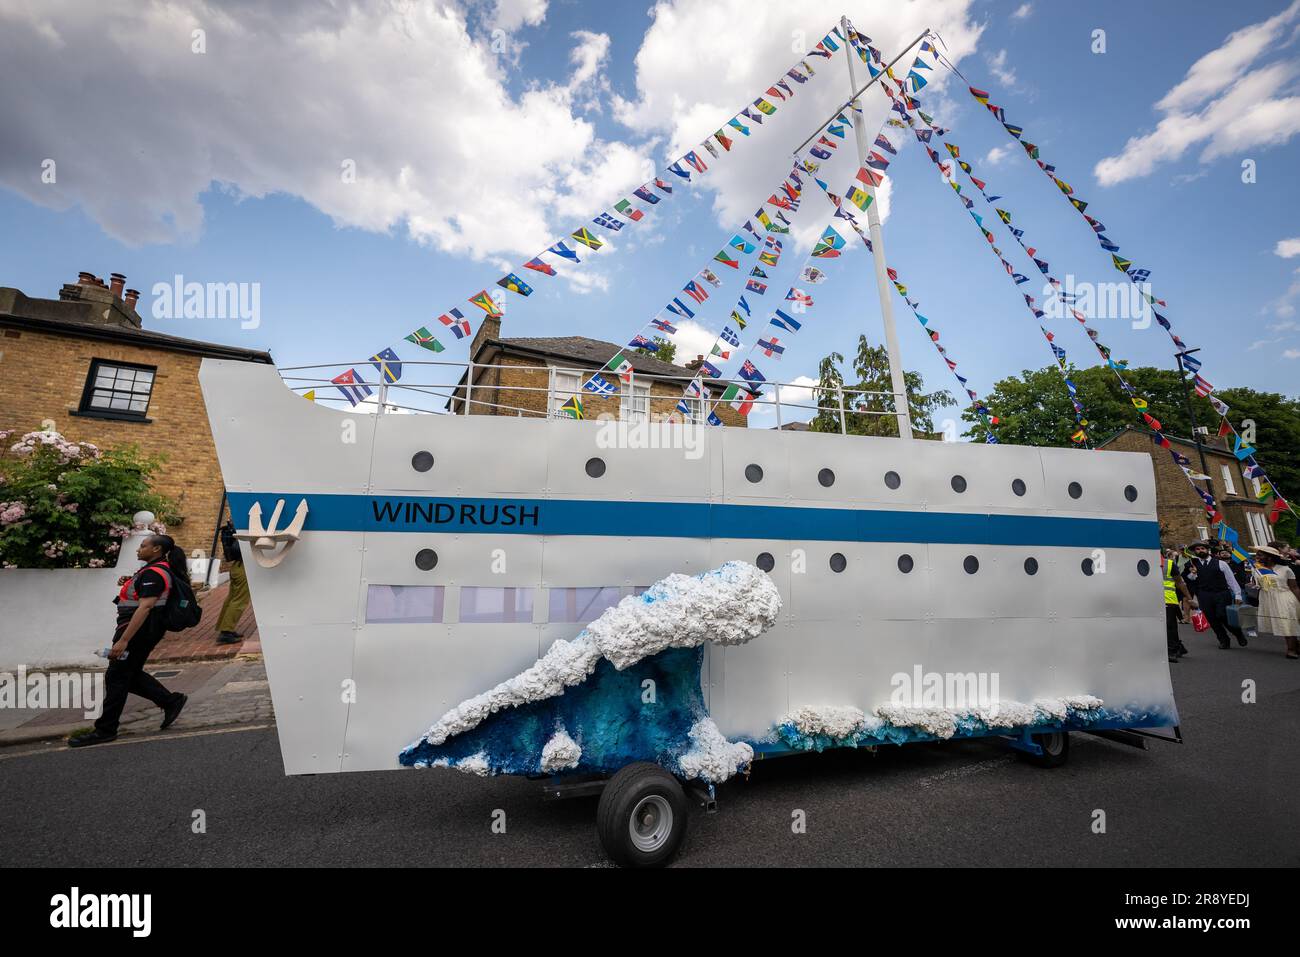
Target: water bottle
point(103, 653)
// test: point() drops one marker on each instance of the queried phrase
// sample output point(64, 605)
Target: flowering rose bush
point(67, 504)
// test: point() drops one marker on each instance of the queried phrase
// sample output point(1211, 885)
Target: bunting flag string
point(688, 164)
point(902, 103)
point(1138, 277)
point(1140, 404)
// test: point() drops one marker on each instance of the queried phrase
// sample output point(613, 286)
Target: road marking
point(141, 739)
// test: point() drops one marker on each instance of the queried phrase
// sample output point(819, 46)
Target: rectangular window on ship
point(479, 605)
point(404, 604)
point(582, 605)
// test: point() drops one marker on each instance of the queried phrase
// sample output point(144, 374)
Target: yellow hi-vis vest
point(1171, 591)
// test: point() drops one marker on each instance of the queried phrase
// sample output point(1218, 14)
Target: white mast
point(898, 386)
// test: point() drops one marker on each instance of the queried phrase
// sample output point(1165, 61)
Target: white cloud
point(1287, 248)
point(1291, 354)
point(799, 393)
point(1023, 11)
point(510, 15)
point(284, 96)
point(997, 155)
point(1222, 104)
point(998, 64)
point(1284, 305)
point(692, 340)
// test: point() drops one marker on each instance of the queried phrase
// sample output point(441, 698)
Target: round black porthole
point(838, 563)
point(1144, 568)
point(1018, 486)
point(1086, 566)
point(826, 478)
point(425, 559)
point(1075, 490)
point(958, 484)
point(754, 473)
point(1130, 493)
point(905, 563)
point(422, 461)
point(1031, 566)
point(595, 467)
point(765, 561)
point(892, 480)
point(971, 564)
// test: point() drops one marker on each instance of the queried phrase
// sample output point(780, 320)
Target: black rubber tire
point(1056, 750)
point(628, 788)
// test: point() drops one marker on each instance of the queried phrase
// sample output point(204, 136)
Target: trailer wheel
point(1056, 749)
point(641, 820)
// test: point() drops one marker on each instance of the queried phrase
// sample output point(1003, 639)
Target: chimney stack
point(119, 281)
point(85, 279)
point(132, 295)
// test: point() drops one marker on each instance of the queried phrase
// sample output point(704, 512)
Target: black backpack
point(182, 609)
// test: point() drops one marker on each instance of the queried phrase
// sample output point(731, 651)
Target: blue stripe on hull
point(521, 516)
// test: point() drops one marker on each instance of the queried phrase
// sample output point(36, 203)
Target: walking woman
point(1279, 598)
point(140, 626)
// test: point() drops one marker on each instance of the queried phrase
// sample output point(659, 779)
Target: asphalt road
point(1228, 796)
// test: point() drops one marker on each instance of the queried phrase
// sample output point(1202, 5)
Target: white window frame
point(566, 384)
point(1258, 528)
point(1202, 532)
point(631, 396)
point(1228, 484)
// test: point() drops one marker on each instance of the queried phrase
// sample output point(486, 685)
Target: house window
point(1258, 528)
point(117, 390)
point(635, 403)
point(696, 406)
point(1227, 480)
point(1202, 533)
point(487, 605)
point(567, 385)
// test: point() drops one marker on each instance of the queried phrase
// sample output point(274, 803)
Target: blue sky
point(476, 154)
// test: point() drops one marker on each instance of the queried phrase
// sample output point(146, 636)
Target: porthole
point(754, 473)
point(971, 564)
point(1018, 486)
point(1086, 566)
point(422, 461)
point(425, 559)
point(838, 563)
point(595, 467)
point(1031, 566)
point(1130, 493)
point(826, 478)
point(765, 561)
point(905, 563)
point(1144, 567)
point(1075, 490)
point(892, 480)
point(958, 484)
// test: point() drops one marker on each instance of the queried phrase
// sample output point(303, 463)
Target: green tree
point(1034, 409)
point(665, 349)
point(870, 372)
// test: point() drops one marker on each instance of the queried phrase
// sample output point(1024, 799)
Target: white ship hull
point(508, 504)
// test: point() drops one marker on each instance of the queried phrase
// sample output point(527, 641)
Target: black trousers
point(129, 677)
point(1172, 616)
point(1215, 605)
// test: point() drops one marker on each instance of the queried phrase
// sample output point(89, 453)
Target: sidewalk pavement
point(200, 642)
point(225, 692)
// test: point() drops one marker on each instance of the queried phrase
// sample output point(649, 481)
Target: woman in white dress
point(1279, 598)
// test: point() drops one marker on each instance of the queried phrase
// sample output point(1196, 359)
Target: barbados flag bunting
point(513, 283)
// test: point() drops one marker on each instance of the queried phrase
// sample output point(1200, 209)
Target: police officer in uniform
point(140, 626)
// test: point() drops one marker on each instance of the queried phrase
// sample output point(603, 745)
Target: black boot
point(173, 711)
point(90, 737)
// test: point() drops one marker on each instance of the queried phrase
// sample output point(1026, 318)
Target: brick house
point(1179, 509)
point(535, 376)
point(84, 362)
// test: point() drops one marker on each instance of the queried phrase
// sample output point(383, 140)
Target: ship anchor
point(264, 540)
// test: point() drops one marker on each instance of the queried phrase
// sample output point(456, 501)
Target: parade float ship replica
point(765, 596)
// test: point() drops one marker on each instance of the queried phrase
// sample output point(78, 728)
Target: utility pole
point(1196, 434)
point(897, 382)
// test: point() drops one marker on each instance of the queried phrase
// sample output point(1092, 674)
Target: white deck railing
point(436, 387)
